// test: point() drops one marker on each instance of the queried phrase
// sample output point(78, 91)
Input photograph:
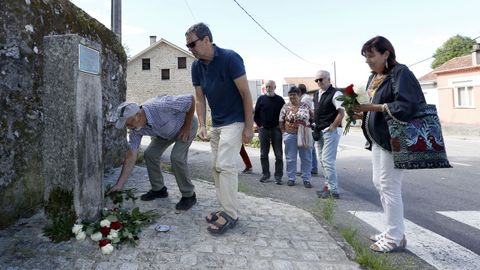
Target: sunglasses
point(319, 80)
point(192, 44)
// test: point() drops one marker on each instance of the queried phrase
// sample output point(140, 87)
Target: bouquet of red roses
point(349, 99)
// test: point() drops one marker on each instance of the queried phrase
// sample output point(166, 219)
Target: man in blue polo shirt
point(219, 75)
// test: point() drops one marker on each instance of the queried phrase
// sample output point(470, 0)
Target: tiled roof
point(431, 76)
point(456, 63)
point(452, 64)
point(308, 81)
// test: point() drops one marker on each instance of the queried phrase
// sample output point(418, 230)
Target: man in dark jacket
point(267, 111)
point(328, 122)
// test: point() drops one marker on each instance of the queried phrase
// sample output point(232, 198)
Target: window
point(286, 87)
point(182, 62)
point(165, 74)
point(145, 63)
point(464, 97)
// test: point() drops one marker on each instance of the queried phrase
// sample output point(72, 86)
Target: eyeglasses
point(192, 44)
point(319, 80)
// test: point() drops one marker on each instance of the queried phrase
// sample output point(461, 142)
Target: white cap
point(125, 111)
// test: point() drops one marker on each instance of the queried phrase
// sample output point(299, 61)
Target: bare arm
point(127, 168)
point(187, 126)
point(242, 85)
point(201, 107)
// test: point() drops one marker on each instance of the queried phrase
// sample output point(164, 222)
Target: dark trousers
point(245, 158)
point(271, 136)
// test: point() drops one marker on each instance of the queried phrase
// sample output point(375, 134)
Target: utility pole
point(334, 74)
point(116, 18)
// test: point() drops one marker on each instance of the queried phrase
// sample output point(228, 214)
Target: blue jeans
point(327, 156)
point(271, 136)
point(305, 153)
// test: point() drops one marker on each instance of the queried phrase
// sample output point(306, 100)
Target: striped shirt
point(165, 117)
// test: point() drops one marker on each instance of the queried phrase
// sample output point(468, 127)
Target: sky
point(326, 35)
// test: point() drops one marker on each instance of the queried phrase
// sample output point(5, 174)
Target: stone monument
point(72, 140)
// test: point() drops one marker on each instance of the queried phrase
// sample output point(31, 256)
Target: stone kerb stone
point(72, 141)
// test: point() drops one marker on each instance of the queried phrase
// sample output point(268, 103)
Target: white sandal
point(377, 237)
point(387, 245)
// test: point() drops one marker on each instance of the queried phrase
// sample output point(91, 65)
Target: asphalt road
point(442, 205)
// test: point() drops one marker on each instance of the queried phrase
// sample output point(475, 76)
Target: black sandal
point(222, 228)
point(213, 217)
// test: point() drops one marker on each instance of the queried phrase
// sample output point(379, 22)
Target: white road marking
point(431, 247)
point(471, 218)
point(460, 164)
point(353, 146)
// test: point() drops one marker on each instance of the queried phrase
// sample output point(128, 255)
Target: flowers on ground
point(350, 98)
point(116, 226)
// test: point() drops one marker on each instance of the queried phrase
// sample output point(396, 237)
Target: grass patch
point(242, 187)
point(325, 209)
point(140, 158)
point(167, 167)
point(364, 256)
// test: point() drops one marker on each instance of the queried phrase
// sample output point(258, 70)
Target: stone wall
point(24, 24)
point(145, 84)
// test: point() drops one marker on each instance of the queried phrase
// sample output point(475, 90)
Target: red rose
point(103, 242)
point(116, 225)
point(105, 231)
point(349, 90)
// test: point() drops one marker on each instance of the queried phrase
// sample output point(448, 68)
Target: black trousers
point(271, 136)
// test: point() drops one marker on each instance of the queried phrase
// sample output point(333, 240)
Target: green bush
point(59, 210)
point(255, 143)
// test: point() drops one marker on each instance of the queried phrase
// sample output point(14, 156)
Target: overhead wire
point(274, 38)
point(191, 13)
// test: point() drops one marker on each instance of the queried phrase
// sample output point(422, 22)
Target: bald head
point(270, 86)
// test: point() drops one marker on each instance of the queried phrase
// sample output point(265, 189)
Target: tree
point(455, 46)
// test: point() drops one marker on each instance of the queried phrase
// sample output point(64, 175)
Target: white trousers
point(226, 142)
point(388, 182)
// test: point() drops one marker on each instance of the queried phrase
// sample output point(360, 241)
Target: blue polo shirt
point(216, 79)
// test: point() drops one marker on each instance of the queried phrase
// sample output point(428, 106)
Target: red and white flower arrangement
point(116, 225)
point(351, 97)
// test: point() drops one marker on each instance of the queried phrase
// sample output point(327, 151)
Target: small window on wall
point(464, 97)
point(182, 62)
point(165, 74)
point(146, 64)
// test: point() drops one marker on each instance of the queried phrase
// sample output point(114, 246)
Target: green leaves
point(118, 197)
point(454, 47)
point(124, 225)
point(348, 101)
